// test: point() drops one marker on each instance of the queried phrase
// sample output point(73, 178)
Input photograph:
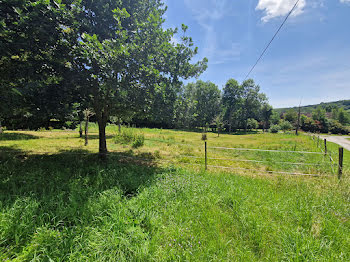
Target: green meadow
point(58, 202)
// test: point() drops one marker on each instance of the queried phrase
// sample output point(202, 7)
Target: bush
point(286, 126)
point(129, 136)
point(139, 140)
point(335, 127)
point(274, 129)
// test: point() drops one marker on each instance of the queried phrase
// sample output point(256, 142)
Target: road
point(340, 140)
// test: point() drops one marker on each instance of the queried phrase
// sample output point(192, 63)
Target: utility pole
point(298, 123)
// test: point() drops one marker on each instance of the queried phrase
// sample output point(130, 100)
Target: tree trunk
point(86, 131)
point(80, 130)
point(0, 128)
point(102, 138)
point(119, 126)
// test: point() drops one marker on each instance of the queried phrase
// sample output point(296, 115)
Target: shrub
point(124, 137)
point(129, 136)
point(138, 140)
point(274, 129)
point(285, 126)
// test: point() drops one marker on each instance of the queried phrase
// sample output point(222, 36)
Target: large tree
point(232, 103)
point(242, 102)
point(198, 104)
point(125, 54)
point(252, 100)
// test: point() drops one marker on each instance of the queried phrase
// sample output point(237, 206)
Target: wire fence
point(322, 167)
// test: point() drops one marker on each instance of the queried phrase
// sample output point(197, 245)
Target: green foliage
point(36, 46)
point(308, 124)
point(138, 141)
point(198, 105)
point(335, 127)
point(291, 116)
point(242, 102)
point(266, 113)
point(319, 114)
point(343, 116)
point(274, 129)
point(275, 117)
point(252, 124)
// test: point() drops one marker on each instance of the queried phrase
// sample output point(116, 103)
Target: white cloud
point(277, 8)
point(345, 1)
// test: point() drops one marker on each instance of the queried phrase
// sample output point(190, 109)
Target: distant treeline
point(195, 105)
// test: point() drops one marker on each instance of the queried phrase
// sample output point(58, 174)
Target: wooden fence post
point(325, 146)
point(318, 140)
point(206, 159)
point(340, 168)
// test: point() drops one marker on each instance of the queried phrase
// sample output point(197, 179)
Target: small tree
point(285, 126)
point(219, 122)
point(116, 121)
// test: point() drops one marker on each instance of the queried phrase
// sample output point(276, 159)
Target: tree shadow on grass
point(44, 177)
point(16, 136)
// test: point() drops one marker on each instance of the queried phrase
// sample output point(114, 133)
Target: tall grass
point(75, 208)
point(130, 136)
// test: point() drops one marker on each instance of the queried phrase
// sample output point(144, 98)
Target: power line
point(262, 54)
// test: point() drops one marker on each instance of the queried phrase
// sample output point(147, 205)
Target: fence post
point(206, 159)
point(325, 146)
point(318, 140)
point(340, 168)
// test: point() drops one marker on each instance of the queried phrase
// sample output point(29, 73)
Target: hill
point(328, 106)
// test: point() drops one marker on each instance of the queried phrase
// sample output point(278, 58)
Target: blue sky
point(309, 60)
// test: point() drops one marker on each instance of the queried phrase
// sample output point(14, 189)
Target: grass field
point(59, 204)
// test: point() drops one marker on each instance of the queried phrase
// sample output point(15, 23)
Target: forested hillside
point(328, 106)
